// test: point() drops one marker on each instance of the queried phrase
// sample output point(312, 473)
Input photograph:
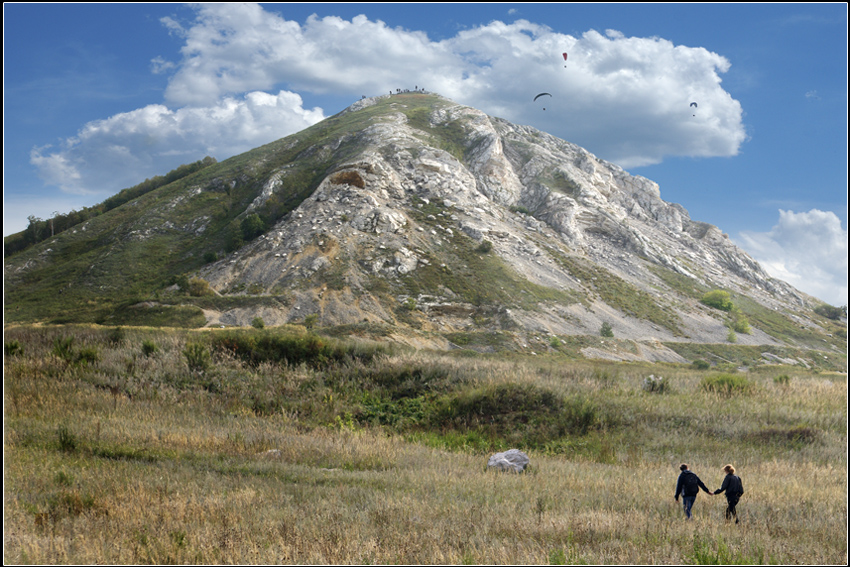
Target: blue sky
point(98, 97)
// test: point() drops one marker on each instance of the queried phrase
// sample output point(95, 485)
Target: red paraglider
point(565, 60)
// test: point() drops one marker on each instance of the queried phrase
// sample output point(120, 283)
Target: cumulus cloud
point(626, 99)
point(807, 250)
point(126, 148)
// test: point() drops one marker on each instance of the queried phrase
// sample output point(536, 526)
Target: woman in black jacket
point(734, 489)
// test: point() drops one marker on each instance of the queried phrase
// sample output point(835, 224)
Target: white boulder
point(512, 460)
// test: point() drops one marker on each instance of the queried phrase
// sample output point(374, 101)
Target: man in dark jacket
point(688, 486)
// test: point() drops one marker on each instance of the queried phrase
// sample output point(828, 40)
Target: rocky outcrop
point(410, 187)
point(512, 460)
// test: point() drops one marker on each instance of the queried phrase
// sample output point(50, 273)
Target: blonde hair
point(729, 469)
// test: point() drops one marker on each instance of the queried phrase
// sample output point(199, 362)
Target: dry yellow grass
point(182, 475)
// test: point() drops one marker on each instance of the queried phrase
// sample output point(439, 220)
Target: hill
point(431, 223)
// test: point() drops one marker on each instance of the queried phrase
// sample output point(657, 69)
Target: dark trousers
point(731, 502)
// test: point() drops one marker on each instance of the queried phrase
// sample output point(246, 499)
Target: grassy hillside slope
point(277, 446)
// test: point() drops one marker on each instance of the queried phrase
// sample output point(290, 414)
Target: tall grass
point(136, 458)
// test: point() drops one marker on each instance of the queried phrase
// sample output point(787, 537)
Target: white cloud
point(120, 151)
point(807, 250)
point(625, 99)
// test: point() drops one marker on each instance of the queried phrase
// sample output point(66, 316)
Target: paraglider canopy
point(565, 60)
point(694, 104)
point(542, 94)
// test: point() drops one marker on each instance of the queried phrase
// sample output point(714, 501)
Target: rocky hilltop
point(418, 213)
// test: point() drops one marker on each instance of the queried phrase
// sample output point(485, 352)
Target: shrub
point(86, 356)
point(726, 384)
point(731, 336)
point(13, 348)
point(210, 257)
point(258, 323)
point(606, 330)
point(256, 347)
point(116, 336)
point(830, 312)
point(149, 348)
point(310, 320)
point(700, 365)
point(781, 380)
point(485, 247)
point(197, 357)
point(200, 288)
point(67, 440)
point(655, 384)
point(252, 226)
point(520, 209)
point(739, 322)
point(63, 347)
point(718, 299)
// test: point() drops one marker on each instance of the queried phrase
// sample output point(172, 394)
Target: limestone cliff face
point(419, 180)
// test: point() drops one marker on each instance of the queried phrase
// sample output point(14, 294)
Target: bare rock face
point(415, 181)
point(512, 460)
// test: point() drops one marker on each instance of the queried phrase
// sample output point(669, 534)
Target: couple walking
point(689, 484)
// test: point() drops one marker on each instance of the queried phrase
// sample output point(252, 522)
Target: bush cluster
point(726, 384)
point(262, 346)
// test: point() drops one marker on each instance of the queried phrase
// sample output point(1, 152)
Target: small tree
point(199, 288)
point(606, 330)
point(252, 226)
point(258, 323)
point(718, 299)
point(310, 320)
point(830, 312)
point(739, 322)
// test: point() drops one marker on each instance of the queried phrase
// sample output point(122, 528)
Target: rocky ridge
point(542, 205)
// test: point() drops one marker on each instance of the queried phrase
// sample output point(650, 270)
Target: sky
point(99, 97)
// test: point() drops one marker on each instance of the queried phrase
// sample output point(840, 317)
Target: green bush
point(258, 323)
point(656, 384)
point(67, 440)
point(485, 247)
point(13, 348)
point(311, 320)
point(197, 357)
point(116, 336)
point(782, 380)
point(252, 226)
point(149, 348)
point(606, 330)
point(63, 347)
point(256, 347)
point(200, 288)
point(726, 384)
point(700, 365)
point(718, 299)
point(739, 322)
point(830, 312)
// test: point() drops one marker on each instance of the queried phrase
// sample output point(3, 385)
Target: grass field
point(162, 446)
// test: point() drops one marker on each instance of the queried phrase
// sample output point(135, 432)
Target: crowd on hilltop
point(416, 89)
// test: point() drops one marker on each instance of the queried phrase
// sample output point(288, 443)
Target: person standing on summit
point(688, 486)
